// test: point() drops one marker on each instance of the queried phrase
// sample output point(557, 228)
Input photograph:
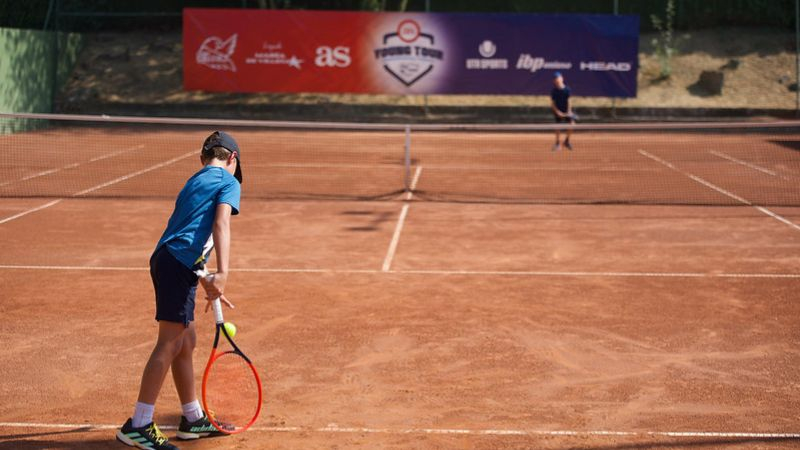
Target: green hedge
point(34, 65)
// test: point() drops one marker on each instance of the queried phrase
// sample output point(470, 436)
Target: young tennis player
point(562, 109)
point(202, 211)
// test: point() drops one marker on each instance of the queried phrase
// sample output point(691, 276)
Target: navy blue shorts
point(175, 286)
point(560, 119)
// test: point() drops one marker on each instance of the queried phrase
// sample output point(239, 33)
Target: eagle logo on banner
point(216, 53)
point(408, 54)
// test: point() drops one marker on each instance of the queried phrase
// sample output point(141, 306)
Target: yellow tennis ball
point(230, 329)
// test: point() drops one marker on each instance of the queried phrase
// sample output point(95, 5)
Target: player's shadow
point(36, 441)
point(696, 443)
point(791, 144)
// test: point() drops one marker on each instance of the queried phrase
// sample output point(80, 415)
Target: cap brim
point(238, 173)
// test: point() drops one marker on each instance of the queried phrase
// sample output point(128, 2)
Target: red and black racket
point(231, 385)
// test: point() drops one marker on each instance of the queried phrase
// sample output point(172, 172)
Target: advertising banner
point(241, 50)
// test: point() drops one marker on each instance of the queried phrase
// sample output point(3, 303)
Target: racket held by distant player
point(231, 385)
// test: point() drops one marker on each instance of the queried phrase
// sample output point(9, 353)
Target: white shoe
point(556, 147)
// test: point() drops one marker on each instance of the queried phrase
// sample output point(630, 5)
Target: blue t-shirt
point(560, 98)
point(191, 222)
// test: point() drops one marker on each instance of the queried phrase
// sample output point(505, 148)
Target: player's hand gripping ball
point(230, 329)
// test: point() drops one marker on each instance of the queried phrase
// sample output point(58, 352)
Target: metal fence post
point(425, 97)
point(614, 99)
point(797, 54)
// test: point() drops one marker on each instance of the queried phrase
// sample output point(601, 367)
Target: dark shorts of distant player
point(175, 286)
point(560, 119)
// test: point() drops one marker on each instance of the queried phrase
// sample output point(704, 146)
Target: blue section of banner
point(520, 53)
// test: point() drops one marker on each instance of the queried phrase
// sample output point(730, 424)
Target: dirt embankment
point(758, 66)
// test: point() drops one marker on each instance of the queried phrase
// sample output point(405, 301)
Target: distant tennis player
point(562, 109)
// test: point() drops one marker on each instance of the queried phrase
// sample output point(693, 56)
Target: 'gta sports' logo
point(216, 53)
point(487, 49)
point(408, 54)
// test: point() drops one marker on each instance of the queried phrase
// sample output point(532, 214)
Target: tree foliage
point(689, 14)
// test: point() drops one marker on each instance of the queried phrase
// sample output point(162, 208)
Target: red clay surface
point(496, 326)
point(398, 353)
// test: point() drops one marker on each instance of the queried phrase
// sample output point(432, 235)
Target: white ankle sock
point(192, 411)
point(142, 415)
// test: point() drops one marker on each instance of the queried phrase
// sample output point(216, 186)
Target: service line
point(434, 272)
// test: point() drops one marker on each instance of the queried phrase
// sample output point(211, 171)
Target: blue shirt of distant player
point(561, 98)
point(193, 218)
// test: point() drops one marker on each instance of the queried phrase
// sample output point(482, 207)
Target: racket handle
point(217, 306)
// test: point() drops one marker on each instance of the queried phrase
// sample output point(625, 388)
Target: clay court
point(638, 292)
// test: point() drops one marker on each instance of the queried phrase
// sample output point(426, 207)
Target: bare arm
point(215, 288)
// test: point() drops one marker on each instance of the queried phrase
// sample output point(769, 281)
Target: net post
point(407, 160)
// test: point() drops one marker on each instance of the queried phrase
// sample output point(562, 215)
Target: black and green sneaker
point(148, 437)
point(201, 428)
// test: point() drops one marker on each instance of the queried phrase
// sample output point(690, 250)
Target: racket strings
point(231, 391)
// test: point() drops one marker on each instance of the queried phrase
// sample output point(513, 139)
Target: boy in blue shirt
point(200, 220)
point(562, 109)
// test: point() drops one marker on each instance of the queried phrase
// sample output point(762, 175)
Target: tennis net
point(674, 163)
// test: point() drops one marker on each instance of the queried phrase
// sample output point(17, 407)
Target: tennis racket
point(572, 116)
point(231, 385)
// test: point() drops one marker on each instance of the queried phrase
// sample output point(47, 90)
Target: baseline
point(456, 431)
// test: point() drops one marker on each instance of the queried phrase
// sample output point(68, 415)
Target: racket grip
point(217, 307)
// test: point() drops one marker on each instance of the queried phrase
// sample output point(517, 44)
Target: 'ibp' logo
point(216, 53)
point(408, 54)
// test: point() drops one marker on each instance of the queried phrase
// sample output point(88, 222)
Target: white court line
point(331, 166)
point(73, 165)
point(135, 174)
point(570, 168)
point(722, 191)
point(743, 163)
point(32, 210)
point(445, 431)
point(99, 186)
point(512, 273)
point(387, 262)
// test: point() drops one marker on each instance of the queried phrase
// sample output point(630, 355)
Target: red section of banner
point(274, 51)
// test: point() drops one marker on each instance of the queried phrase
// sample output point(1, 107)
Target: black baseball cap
point(226, 141)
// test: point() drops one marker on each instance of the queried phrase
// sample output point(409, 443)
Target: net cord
point(403, 127)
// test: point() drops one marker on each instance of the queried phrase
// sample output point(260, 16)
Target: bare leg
point(183, 368)
point(171, 336)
